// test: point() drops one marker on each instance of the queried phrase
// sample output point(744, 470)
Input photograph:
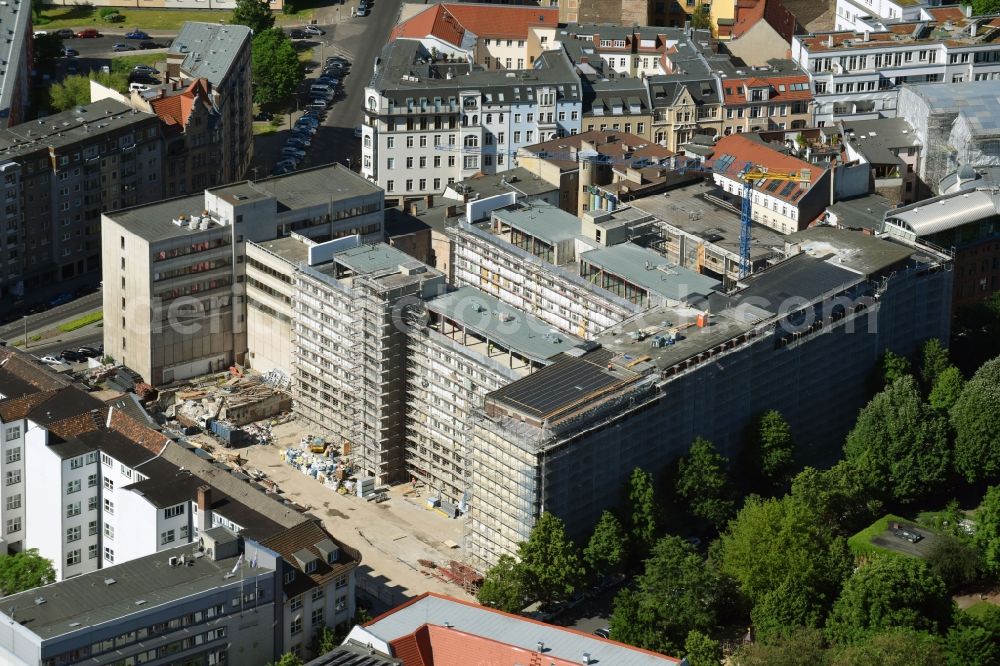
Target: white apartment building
point(855, 75)
point(429, 123)
point(861, 15)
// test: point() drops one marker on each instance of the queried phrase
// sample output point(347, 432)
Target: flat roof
point(80, 603)
point(541, 220)
point(802, 276)
point(508, 326)
point(865, 212)
point(521, 181)
point(13, 51)
point(877, 139)
point(154, 222)
point(650, 270)
point(289, 248)
point(86, 121)
point(373, 258)
point(853, 250)
point(209, 49)
point(688, 209)
point(469, 618)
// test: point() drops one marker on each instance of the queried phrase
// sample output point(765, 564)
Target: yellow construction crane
point(750, 175)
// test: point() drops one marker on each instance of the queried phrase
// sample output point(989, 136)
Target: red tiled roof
point(414, 649)
point(749, 12)
point(176, 109)
point(305, 536)
point(746, 150)
point(734, 95)
point(149, 439)
point(14, 409)
point(449, 22)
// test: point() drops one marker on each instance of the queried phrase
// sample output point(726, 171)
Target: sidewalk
point(51, 334)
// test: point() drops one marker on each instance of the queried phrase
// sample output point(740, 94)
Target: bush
point(105, 12)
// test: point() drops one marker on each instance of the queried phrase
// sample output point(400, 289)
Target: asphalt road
point(360, 40)
point(82, 305)
point(56, 347)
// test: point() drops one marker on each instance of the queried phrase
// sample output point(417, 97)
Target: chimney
point(586, 658)
point(429, 200)
point(412, 208)
point(868, 35)
point(829, 41)
point(204, 507)
point(968, 10)
point(452, 211)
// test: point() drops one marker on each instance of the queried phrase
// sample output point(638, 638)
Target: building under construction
point(566, 438)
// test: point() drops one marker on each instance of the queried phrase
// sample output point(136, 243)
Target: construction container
point(228, 433)
point(702, 319)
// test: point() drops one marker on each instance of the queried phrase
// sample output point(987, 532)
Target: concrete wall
point(12, 499)
point(44, 502)
point(758, 44)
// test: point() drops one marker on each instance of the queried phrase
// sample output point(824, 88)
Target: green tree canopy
point(772, 541)
point(839, 497)
point(701, 649)
point(677, 592)
point(605, 552)
point(504, 586)
point(287, 659)
point(70, 92)
point(24, 571)
point(935, 361)
point(946, 390)
point(47, 50)
point(255, 14)
point(976, 421)
point(889, 592)
point(550, 560)
point(703, 484)
point(975, 640)
point(984, 7)
point(773, 446)
point(893, 647)
point(987, 535)
point(788, 607)
point(802, 647)
point(894, 366)
point(643, 526)
point(955, 561)
point(899, 443)
point(276, 67)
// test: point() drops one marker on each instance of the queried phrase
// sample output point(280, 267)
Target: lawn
point(162, 20)
point(978, 609)
point(861, 543)
point(80, 322)
point(126, 63)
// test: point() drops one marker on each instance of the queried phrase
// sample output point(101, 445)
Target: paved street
point(360, 40)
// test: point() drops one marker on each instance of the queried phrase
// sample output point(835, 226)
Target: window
point(13, 432)
point(14, 502)
point(390, 185)
point(409, 185)
point(422, 184)
point(390, 163)
point(109, 506)
point(289, 576)
point(437, 184)
point(409, 162)
point(92, 528)
point(471, 162)
point(296, 625)
point(73, 487)
point(390, 142)
point(109, 555)
point(341, 603)
point(76, 463)
point(317, 616)
point(341, 582)
point(423, 162)
point(91, 480)
point(167, 537)
point(109, 483)
point(109, 531)
point(73, 534)
point(92, 503)
point(317, 593)
point(13, 525)
point(92, 551)
point(517, 137)
point(106, 460)
point(73, 557)
point(13, 454)
point(173, 511)
point(295, 603)
point(437, 161)
point(72, 509)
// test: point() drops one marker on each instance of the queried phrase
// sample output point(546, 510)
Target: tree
point(642, 503)
point(894, 647)
point(889, 592)
point(899, 443)
point(71, 92)
point(771, 541)
point(678, 591)
point(700, 18)
point(255, 14)
point(287, 659)
point(954, 561)
point(24, 571)
point(987, 535)
point(703, 484)
point(976, 420)
point(840, 496)
point(802, 647)
point(894, 367)
point(605, 551)
point(944, 394)
point(974, 640)
point(324, 640)
point(984, 7)
point(790, 606)
point(773, 446)
point(701, 649)
point(504, 587)
point(935, 361)
point(276, 67)
point(550, 561)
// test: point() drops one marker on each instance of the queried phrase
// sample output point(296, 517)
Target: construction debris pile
point(454, 572)
point(312, 457)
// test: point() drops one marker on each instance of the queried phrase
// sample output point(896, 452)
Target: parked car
point(362, 10)
point(314, 30)
point(72, 356)
point(88, 33)
point(40, 33)
point(149, 45)
point(50, 359)
point(300, 142)
point(603, 633)
point(311, 119)
point(65, 33)
point(338, 60)
point(70, 53)
point(291, 151)
point(146, 69)
point(118, 48)
point(72, 69)
point(296, 34)
point(328, 81)
point(60, 299)
point(141, 77)
point(136, 34)
point(287, 163)
point(89, 352)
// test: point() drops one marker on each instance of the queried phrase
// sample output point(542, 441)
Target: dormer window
point(311, 566)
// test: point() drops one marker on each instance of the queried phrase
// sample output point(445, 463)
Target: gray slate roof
point(209, 49)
